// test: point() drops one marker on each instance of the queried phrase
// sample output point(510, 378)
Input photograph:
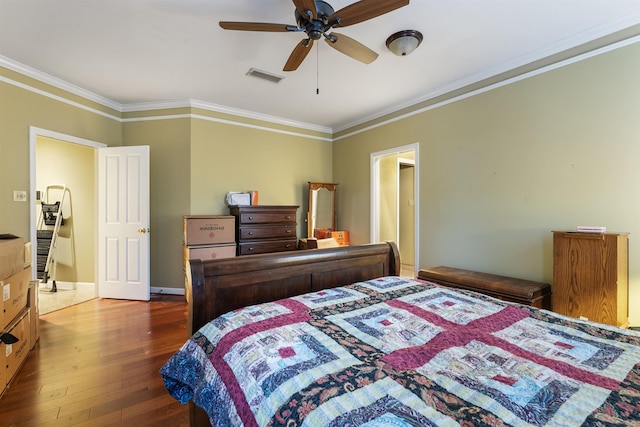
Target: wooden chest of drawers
point(262, 229)
point(591, 276)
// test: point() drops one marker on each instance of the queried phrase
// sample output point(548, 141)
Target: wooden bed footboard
point(218, 286)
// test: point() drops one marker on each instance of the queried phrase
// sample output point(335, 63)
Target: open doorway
point(394, 202)
point(58, 160)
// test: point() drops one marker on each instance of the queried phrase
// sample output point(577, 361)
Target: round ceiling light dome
point(404, 42)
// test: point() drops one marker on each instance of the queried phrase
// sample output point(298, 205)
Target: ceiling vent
point(264, 75)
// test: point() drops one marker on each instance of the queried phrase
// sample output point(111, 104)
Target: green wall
point(196, 157)
point(500, 170)
point(168, 141)
point(19, 110)
point(227, 157)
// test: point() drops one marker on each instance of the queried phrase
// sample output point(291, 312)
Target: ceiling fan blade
point(364, 10)
point(351, 47)
point(256, 26)
point(297, 56)
point(303, 5)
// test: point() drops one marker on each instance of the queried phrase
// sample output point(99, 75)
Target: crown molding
point(40, 76)
point(216, 108)
point(594, 42)
point(467, 94)
point(30, 72)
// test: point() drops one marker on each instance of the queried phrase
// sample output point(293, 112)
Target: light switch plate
point(19, 196)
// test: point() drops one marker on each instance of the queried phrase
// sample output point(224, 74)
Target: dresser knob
point(288, 217)
point(288, 231)
point(250, 218)
point(251, 233)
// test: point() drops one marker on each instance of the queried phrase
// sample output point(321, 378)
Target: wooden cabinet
point(262, 229)
point(591, 275)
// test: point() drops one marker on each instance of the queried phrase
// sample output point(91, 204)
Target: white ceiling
point(151, 51)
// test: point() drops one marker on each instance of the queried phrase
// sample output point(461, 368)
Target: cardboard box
point(3, 369)
point(27, 254)
point(308, 243)
point(312, 243)
point(11, 255)
point(342, 237)
point(327, 243)
point(17, 353)
point(209, 229)
point(15, 292)
point(203, 253)
point(207, 252)
point(34, 287)
point(322, 233)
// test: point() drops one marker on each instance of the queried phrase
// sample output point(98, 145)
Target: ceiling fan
point(316, 19)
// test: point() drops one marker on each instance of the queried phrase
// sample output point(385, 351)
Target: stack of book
point(590, 229)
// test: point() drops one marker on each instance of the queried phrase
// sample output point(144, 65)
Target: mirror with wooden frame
point(322, 207)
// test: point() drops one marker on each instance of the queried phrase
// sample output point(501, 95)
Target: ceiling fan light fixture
point(404, 42)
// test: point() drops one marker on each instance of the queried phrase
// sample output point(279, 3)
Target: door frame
point(374, 233)
point(402, 161)
point(34, 133)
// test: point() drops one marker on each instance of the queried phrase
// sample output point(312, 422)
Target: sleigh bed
point(334, 337)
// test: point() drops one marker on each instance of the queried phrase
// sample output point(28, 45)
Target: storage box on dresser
point(265, 228)
point(591, 276)
point(534, 294)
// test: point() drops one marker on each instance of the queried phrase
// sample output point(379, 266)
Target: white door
point(123, 223)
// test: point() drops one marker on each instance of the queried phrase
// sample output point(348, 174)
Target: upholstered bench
point(535, 294)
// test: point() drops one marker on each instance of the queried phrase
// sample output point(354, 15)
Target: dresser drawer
point(267, 218)
point(264, 214)
point(266, 232)
point(265, 246)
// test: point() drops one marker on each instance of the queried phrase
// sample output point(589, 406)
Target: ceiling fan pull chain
point(318, 69)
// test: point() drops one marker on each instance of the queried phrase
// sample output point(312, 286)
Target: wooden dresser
point(591, 276)
point(262, 229)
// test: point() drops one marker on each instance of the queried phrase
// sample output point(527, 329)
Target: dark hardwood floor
point(97, 364)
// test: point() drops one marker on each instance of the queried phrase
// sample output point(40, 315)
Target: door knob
point(142, 230)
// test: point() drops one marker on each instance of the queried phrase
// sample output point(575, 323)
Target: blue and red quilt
point(402, 352)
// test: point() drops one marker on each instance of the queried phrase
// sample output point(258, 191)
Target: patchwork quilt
point(403, 352)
